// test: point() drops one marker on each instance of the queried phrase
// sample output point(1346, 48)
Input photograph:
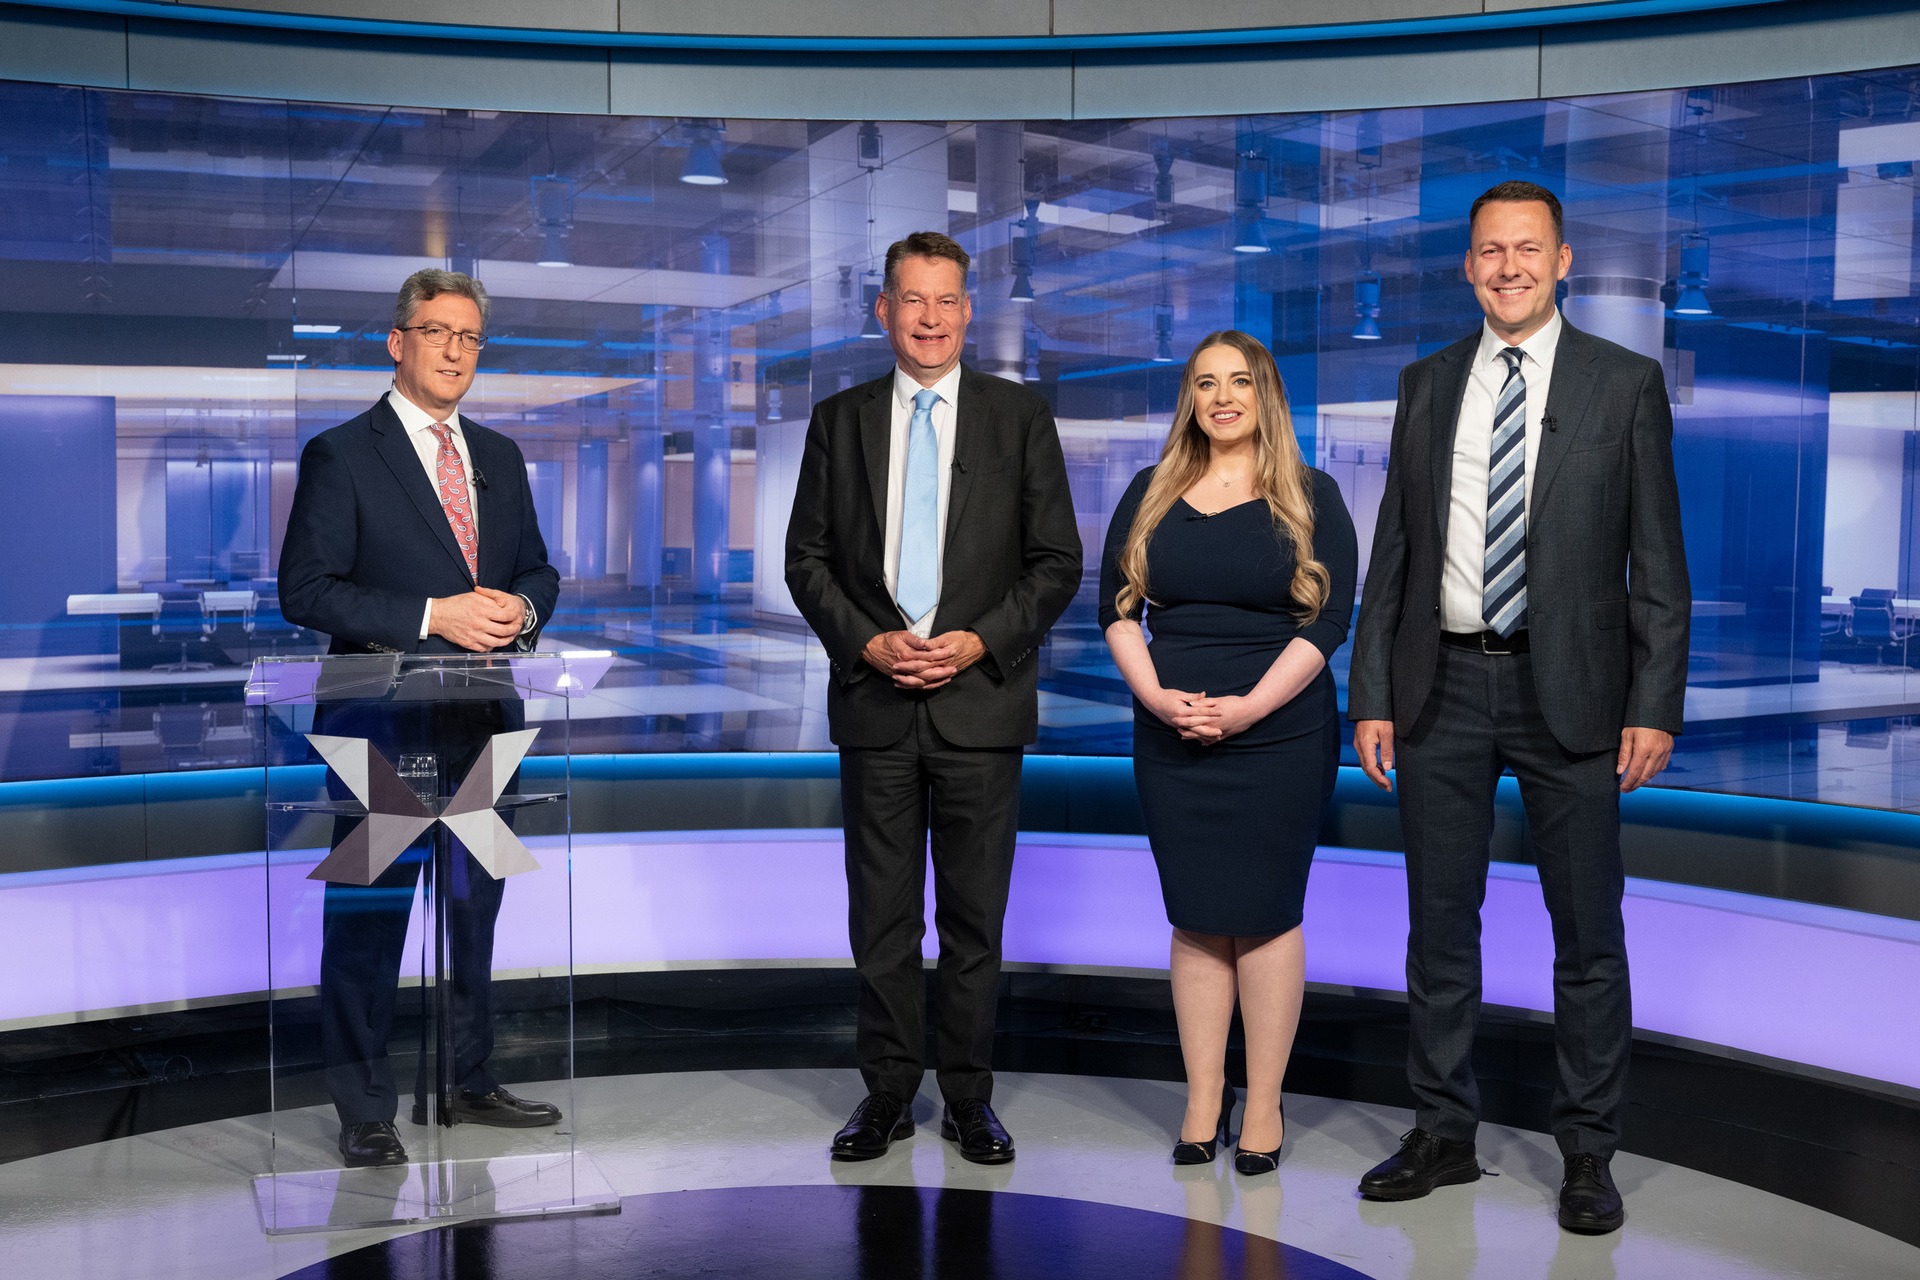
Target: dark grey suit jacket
point(1608, 602)
point(1010, 565)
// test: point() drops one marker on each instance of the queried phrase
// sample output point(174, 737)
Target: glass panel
point(401, 825)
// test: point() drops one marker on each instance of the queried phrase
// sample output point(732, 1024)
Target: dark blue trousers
point(364, 928)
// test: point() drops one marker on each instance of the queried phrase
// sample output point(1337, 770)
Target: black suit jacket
point(1010, 565)
point(1608, 602)
point(368, 544)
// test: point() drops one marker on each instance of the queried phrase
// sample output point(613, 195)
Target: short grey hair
point(425, 285)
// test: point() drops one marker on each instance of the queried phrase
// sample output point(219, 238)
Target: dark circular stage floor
point(837, 1233)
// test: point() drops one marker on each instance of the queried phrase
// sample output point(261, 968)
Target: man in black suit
point(932, 545)
point(1526, 609)
point(413, 531)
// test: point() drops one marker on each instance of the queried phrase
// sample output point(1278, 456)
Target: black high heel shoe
point(1255, 1163)
point(1203, 1152)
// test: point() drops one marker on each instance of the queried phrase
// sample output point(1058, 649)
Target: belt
point(1488, 642)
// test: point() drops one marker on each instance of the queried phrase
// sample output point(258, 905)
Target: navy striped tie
point(1503, 596)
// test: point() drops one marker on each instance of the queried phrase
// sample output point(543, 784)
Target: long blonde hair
point(1279, 477)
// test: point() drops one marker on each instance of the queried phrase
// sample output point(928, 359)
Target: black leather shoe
point(1589, 1202)
point(1185, 1152)
point(371, 1144)
point(982, 1138)
point(876, 1124)
point(1424, 1161)
point(498, 1108)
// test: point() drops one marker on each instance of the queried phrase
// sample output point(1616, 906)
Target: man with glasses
point(932, 545)
point(413, 531)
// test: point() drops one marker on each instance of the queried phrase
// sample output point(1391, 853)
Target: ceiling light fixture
point(702, 167)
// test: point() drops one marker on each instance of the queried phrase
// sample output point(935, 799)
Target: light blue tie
point(919, 578)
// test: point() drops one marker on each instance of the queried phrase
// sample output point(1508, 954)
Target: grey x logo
point(396, 817)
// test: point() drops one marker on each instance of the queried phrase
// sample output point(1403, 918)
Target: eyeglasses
point(437, 335)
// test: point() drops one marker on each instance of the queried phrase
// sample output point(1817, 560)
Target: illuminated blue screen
point(195, 286)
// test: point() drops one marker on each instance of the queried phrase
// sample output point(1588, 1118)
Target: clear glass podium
point(418, 875)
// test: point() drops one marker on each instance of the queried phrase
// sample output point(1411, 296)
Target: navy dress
point(1233, 826)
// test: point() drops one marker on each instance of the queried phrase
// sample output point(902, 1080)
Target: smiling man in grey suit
point(932, 545)
point(1526, 609)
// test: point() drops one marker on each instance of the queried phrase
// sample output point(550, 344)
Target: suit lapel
point(1443, 411)
point(390, 440)
point(876, 430)
point(1569, 397)
point(969, 427)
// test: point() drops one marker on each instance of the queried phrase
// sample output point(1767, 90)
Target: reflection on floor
point(837, 1233)
point(716, 677)
point(179, 1204)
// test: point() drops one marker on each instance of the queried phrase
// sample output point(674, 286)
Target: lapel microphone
point(960, 466)
point(479, 476)
point(1550, 423)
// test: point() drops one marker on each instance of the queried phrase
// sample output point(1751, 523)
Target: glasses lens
point(440, 337)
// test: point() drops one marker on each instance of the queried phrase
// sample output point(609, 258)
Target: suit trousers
point(364, 928)
point(1484, 716)
point(892, 798)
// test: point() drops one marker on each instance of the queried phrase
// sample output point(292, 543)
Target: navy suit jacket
point(368, 543)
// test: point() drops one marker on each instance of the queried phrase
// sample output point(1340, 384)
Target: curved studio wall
point(203, 224)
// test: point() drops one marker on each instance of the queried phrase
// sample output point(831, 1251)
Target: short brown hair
point(1519, 192)
point(428, 284)
point(926, 244)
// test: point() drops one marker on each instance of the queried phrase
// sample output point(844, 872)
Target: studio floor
point(746, 1151)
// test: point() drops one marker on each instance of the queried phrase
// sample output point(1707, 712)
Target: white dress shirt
point(904, 389)
point(420, 424)
point(1463, 574)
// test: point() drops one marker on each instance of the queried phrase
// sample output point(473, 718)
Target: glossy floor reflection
point(840, 1233)
point(178, 1205)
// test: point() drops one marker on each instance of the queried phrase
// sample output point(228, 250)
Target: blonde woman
point(1242, 560)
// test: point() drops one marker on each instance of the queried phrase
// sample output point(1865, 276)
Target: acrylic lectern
point(418, 881)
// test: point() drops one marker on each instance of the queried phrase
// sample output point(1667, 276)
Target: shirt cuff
point(426, 619)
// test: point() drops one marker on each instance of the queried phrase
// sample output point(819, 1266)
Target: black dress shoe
point(371, 1144)
point(497, 1108)
point(1185, 1152)
point(1424, 1161)
point(982, 1138)
point(876, 1124)
point(1589, 1202)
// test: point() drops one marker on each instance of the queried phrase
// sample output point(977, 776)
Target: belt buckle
point(1489, 638)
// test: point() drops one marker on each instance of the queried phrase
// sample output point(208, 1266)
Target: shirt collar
point(415, 419)
point(905, 388)
point(1538, 347)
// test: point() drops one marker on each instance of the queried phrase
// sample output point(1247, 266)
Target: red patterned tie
point(451, 478)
